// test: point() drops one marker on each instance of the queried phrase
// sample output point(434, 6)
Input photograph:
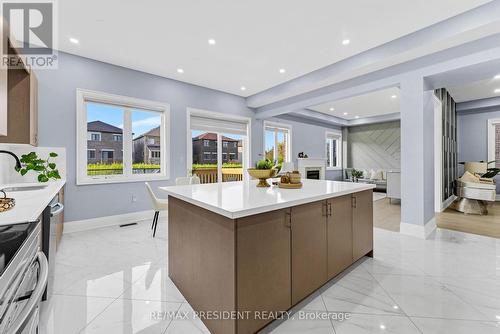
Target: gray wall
point(374, 146)
point(473, 137)
point(57, 127)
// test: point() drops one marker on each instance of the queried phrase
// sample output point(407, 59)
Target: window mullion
point(127, 143)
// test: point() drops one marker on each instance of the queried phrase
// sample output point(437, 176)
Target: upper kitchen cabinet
point(18, 100)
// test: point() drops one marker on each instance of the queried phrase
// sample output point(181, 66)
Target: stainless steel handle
point(354, 202)
point(330, 209)
point(288, 219)
point(36, 296)
point(57, 211)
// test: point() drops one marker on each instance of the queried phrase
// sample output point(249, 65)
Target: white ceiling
point(376, 103)
point(254, 39)
point(476, 90)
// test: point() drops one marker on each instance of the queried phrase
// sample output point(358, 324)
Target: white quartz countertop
point(29, 203)
point(243, 198)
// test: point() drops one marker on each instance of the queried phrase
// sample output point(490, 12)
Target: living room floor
point(387, 215)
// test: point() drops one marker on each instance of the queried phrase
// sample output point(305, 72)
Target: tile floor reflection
point(112, 280)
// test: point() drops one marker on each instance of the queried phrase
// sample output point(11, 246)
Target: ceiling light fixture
point(332, 109)
point(346, 42)
point(357, 117)
point(497, 90)
point(282, 70)
point(346, 113)
point(243, 88)
point(211, 41)
point(74, 40)
point(393, 96)
point(496, 77)
point(180, 70)
point(382, 326)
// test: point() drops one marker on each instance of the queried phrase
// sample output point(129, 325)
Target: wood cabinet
point(339, 231)
point(263, 266)
point(18, 103)
point(362, 224)
point(309, 249)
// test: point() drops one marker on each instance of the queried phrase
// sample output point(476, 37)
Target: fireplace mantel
point(305, 164)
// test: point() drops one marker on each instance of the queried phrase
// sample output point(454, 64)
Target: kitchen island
point(241, 252)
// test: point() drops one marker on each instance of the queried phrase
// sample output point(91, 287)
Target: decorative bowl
point(262, 175)
point(5, 202)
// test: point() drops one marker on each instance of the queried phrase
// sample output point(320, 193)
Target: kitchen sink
point(23, 188)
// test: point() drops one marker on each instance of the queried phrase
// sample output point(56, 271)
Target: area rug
point(378, 196)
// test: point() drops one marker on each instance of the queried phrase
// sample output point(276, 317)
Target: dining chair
point(159, 204)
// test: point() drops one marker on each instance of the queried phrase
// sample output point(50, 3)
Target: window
point(120, 124)
point(224, 144)
point(333, 150)
point(151, 141)
point(207, 156)
point(206, 143)
point(232, 156)
point(494, 141)
point(277, 144)
point(94, 136)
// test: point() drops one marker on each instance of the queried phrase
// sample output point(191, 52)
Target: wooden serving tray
point(290, 185)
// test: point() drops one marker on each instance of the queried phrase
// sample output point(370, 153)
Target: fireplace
point(312, 174)
point(312, 168)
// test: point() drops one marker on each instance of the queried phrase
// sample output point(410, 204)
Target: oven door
point(23, 308)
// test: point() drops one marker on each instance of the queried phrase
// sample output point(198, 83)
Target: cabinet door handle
point(324, 209)
point(354, 201)
point(288, 219)
point(330, 209)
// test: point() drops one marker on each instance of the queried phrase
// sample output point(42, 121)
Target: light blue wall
point(473, 137)
point(57, 126)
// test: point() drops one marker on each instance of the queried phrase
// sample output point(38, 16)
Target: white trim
point(491, 137)
point(278, 126)
point(99, 222)
point(127, 103)
point(447, 202)
point(418, 231)
point(337, 135)
point(247, 139)
point(438, 155)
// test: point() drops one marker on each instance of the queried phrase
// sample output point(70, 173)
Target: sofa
point(378, 177)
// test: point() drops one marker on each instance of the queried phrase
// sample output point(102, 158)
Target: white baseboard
point(93, 223)
point(448, 202)
point(419, 231)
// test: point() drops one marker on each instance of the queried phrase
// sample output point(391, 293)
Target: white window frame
point(222, 116)
point(91, 133)
point(277, 126)
point(117, 136)
point(334, 135)
point(84, 96)
point(93, 150)
point(492, 123)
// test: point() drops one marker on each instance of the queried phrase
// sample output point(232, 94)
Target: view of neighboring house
point(147, 147)
point(104, 143)
point(205, 149)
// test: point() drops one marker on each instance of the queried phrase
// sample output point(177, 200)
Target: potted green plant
point(356, 174)
point(264, 169)
point(46, 169)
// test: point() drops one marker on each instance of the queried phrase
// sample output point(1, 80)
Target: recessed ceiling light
point(74, 40)
point(346, 41)
point(498, 317)
point(357, 117)
point(180, 70)
point(395, 307)
point(393, 96)
point(346, 113)
point(211, 41)
point(332, 109)
point(496, 77)
point(497, 90)
point(243, 88)
point(382, 326)
point(282, 70)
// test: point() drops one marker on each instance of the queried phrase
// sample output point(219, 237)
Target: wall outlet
point(134, 198)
